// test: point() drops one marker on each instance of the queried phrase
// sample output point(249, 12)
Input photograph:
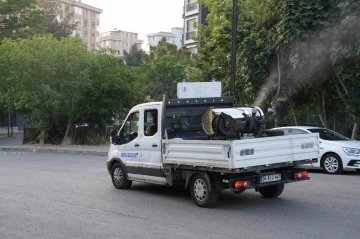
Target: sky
point(140, 16)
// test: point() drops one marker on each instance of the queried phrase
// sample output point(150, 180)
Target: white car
point(337, 152)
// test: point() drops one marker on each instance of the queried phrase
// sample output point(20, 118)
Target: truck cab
point(138, 144)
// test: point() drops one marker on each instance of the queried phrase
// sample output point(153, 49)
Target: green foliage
point(27, 18)
point(20, 19)
point(312, 46)
point(163, 68)
point(49, 82)
point(134, 57)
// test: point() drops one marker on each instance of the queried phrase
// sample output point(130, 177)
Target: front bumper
point(354, 164)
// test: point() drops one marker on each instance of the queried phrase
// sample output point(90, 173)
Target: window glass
point(296, 131)
point(131, 127)
point(150, 122)
point(328, 134)
point(78, 10)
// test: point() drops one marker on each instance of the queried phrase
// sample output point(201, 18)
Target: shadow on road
point(248, 200)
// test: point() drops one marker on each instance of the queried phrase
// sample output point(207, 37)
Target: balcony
point(190, 35)
point(191, 9)
point(192, 6)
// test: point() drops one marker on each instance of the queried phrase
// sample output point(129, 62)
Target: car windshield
point(328, 134)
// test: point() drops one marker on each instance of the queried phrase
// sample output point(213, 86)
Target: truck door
point(129, 149)
point(151, 163)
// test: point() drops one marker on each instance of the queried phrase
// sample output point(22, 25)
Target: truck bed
point(242, 154)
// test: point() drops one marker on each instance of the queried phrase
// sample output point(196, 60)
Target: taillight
point(242, 184)
point(301, 175)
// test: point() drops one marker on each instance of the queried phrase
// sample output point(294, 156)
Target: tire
point(272, 191)
point(119, 177)
point(332, 164)
point(201, 192)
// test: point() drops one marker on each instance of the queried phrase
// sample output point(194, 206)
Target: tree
point(134, 57)
point(20, 19)
point(164, 67)
point(60, 26)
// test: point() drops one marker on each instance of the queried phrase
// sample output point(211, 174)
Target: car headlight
point(352, 152)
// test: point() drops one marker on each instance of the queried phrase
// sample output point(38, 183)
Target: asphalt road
point(65, 196)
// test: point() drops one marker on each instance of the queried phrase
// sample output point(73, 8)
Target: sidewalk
point(76, 149)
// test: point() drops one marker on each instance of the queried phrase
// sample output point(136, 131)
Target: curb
point(53, 151)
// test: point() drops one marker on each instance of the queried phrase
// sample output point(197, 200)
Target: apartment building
point(173, 37)
point(119, 41)
point(87, 19)
point(194, 15)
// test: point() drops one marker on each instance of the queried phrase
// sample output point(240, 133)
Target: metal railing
point(192, 6)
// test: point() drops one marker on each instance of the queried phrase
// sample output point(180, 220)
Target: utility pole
point(234, 44)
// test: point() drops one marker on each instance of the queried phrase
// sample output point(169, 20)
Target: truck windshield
point(326, 134)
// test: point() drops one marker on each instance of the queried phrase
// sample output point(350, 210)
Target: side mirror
point(113, 134)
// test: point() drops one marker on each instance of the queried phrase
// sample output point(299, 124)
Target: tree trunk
point(292, 110)
point(324, 108)
point(42, 138)
point(65, 140)
point(274, 102)
point(321, 108)
point(355, 130)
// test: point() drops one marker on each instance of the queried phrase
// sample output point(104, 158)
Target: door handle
point(137, 145)
point(154, 145)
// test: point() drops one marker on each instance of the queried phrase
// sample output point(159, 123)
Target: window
point(129, 132)
point(85, 11)
point(97, 16)
point(118, 43)
point(93, 37)
point(127, 35)
point(150, 122)
point(85, 34)
point(78, 10)
point(126, 44)
point(86, 23)
point(296, 131)
point(107, 43)
point(328, 134)
point(93, 46)
point(93, 25)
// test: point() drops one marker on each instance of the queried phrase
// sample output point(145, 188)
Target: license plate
point(270, 178)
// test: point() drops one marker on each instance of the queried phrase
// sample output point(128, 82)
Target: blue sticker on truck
point(128, 155)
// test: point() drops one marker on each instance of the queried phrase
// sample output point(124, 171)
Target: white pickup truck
point(165, 143)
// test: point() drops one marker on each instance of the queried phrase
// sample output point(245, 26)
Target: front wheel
point(332, 164)
point(272, 191)
point(201, 192)
point(119, 177)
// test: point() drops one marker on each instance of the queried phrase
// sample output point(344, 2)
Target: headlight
point(352, 152)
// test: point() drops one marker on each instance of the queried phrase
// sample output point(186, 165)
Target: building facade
point(174, 37)
point(87, 19)
point(194, 15)
point(119, 41)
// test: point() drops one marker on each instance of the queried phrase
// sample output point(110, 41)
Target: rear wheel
point(201, 192)
point(272, 191)
point(119, 177)
point(332, 164)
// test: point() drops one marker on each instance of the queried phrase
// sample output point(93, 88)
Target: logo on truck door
point(128, 155)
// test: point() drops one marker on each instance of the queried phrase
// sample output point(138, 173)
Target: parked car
point(337, 152)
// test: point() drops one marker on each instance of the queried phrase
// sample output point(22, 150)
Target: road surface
point(68, 196)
